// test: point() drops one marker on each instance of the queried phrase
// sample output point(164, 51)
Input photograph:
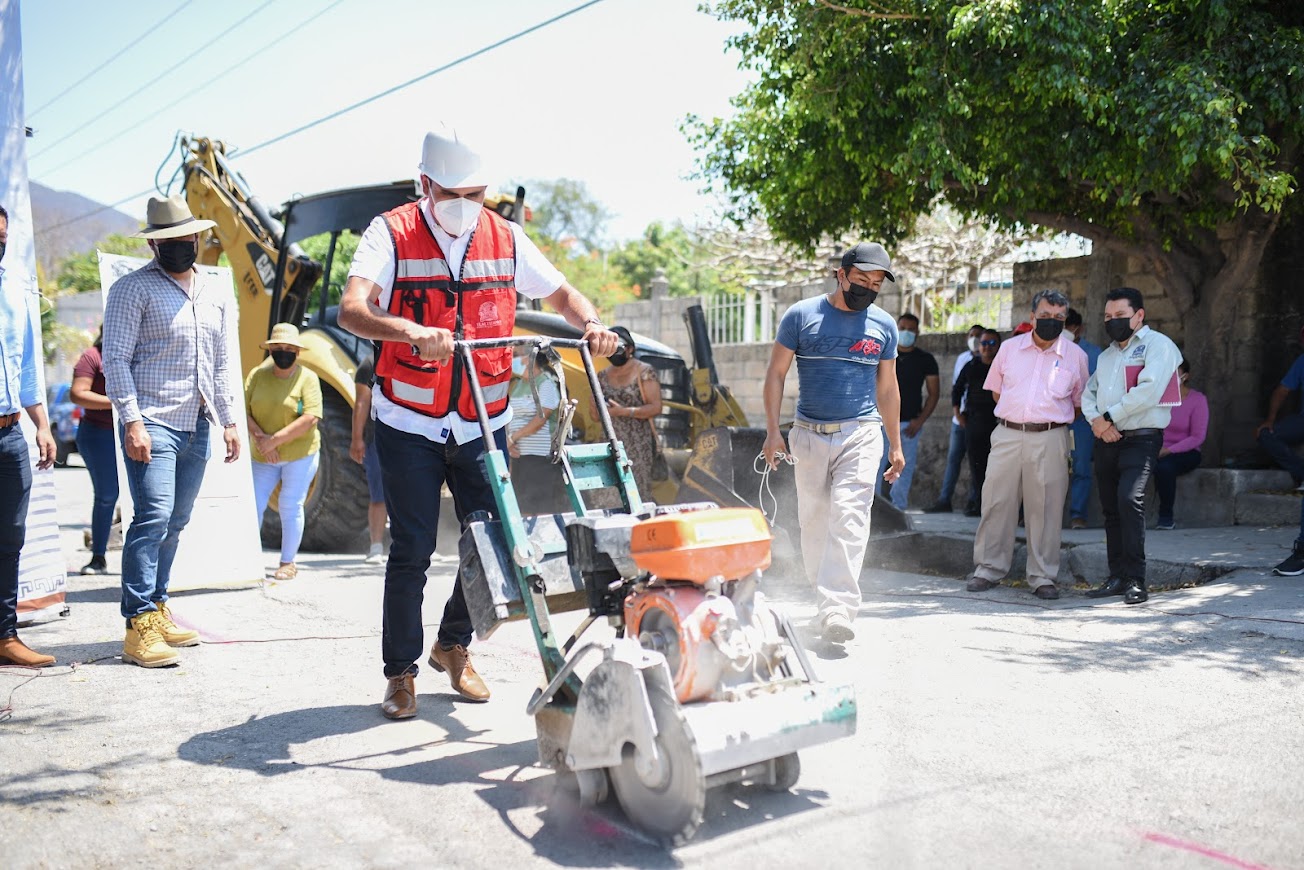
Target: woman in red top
point(95, 444)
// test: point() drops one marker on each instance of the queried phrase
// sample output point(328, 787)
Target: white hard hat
point(450, 162)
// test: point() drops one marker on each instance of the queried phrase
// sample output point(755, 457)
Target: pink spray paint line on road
point(1206, 851)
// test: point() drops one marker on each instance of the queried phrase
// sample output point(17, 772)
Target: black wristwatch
point(1108, 419)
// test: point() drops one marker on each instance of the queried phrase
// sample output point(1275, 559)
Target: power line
point(67, 137)
point(297, 130)
point(463, 59)
point(191, 92)
point(63, 93)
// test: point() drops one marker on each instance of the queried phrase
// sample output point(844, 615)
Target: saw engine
point(692, 596)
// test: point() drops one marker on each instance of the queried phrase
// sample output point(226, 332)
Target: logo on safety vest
point(488, 313)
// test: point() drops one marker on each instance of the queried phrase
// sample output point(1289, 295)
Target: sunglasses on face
point(988, 343)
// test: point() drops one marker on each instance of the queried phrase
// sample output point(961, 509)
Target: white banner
point(42, 582)
point(221, 546)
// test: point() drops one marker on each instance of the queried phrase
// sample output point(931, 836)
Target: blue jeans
point(954, 461)
point(163, 492)
point(414, 469)
point(1080, 483)
point(95, 444)
point(910, 447)
point(295, 477)
point(15, 490)
point(1279, 442)
point(1167, 470)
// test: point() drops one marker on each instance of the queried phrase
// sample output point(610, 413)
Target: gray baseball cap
point(868, 256)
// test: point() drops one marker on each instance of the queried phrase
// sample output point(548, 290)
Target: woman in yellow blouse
point(283, 400)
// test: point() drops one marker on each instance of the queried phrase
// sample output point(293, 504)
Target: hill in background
point(53, 207)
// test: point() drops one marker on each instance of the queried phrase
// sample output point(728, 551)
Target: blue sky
point(598, 96)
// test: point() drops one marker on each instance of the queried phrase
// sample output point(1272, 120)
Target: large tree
point(1168, 130)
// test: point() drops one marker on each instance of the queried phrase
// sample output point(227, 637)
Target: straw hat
point(283, 333)
point(170, 218)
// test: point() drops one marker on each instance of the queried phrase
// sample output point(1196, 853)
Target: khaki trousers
point(1033, 466)
point(835, 476)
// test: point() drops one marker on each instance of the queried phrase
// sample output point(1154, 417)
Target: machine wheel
point(335, 514)
point(787, 770)
point(669, 799)
point(593, 786)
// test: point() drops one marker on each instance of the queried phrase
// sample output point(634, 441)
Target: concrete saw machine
point(705, 683)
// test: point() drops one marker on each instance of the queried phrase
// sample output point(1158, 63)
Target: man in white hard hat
point(168, 374)
point(424, 273)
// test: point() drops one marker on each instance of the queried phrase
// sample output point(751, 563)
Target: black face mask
point(2, 250)
point(176, 257)
point(858, 298)
point(1119, 329)
point(1048, 328)
point(619, 358)
point(284, 359)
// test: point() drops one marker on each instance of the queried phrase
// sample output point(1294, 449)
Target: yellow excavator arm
point(249, 236)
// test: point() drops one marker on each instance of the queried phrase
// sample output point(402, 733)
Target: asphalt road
point(995, 731)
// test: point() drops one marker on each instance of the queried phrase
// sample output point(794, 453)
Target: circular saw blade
point(670, 801)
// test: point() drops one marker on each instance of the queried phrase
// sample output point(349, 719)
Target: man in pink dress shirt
point(1037, 379)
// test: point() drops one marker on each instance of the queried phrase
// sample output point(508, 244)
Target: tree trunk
point(1213, 295)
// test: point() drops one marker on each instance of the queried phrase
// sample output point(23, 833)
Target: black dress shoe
point(941, 507)
point(1136, 592)
point(1112, 586)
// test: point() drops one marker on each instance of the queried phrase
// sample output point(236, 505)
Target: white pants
point(835, 476)
point(294, 477)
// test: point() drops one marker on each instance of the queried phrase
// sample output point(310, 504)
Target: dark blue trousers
point(414, 469)
point(15, 490)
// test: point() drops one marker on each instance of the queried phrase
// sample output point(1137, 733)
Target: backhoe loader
point(277, 282)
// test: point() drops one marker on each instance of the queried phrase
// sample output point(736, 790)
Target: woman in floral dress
point(633, 398)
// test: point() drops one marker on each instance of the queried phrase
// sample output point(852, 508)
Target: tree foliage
point(1129, 121)
point(317, 247)
point(563, 210)
point(1168, 130)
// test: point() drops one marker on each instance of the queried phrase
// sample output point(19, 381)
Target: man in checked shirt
point(167, 371)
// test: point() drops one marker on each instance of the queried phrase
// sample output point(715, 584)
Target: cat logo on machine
point(263, 265)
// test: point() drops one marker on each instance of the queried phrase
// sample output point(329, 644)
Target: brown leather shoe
point(400, 698)
point(14, 652)
point(461, 673)
point(980, 584)
point(1046, 592)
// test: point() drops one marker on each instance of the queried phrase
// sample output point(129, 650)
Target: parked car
point(64, 419)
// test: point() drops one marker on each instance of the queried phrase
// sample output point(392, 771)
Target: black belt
point(10, 419)
point(1030, 427)
point(1139, 433)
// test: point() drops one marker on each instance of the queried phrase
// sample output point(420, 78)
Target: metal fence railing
point(740, 318)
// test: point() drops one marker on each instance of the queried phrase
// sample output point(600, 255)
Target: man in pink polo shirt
point(1037, 379)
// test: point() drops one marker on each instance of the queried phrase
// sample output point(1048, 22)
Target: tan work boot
point(174, 634)
point(400, 698)
point(14, 652)
point(145, 645)
point(457, 663)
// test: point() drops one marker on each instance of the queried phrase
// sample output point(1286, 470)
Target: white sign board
point(221, 546)
point(42, 582)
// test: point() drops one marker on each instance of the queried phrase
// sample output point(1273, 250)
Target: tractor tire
point(335, 515)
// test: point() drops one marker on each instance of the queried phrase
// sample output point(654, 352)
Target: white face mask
point(457, 216)
point(907, 338)
point(974, 347)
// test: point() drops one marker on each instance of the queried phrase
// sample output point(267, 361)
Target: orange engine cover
point(699, 545)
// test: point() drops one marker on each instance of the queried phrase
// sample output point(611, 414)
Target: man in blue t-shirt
point(847, 395)
point(1279, 435)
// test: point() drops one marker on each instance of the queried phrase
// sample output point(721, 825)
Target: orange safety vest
point(479, 303)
